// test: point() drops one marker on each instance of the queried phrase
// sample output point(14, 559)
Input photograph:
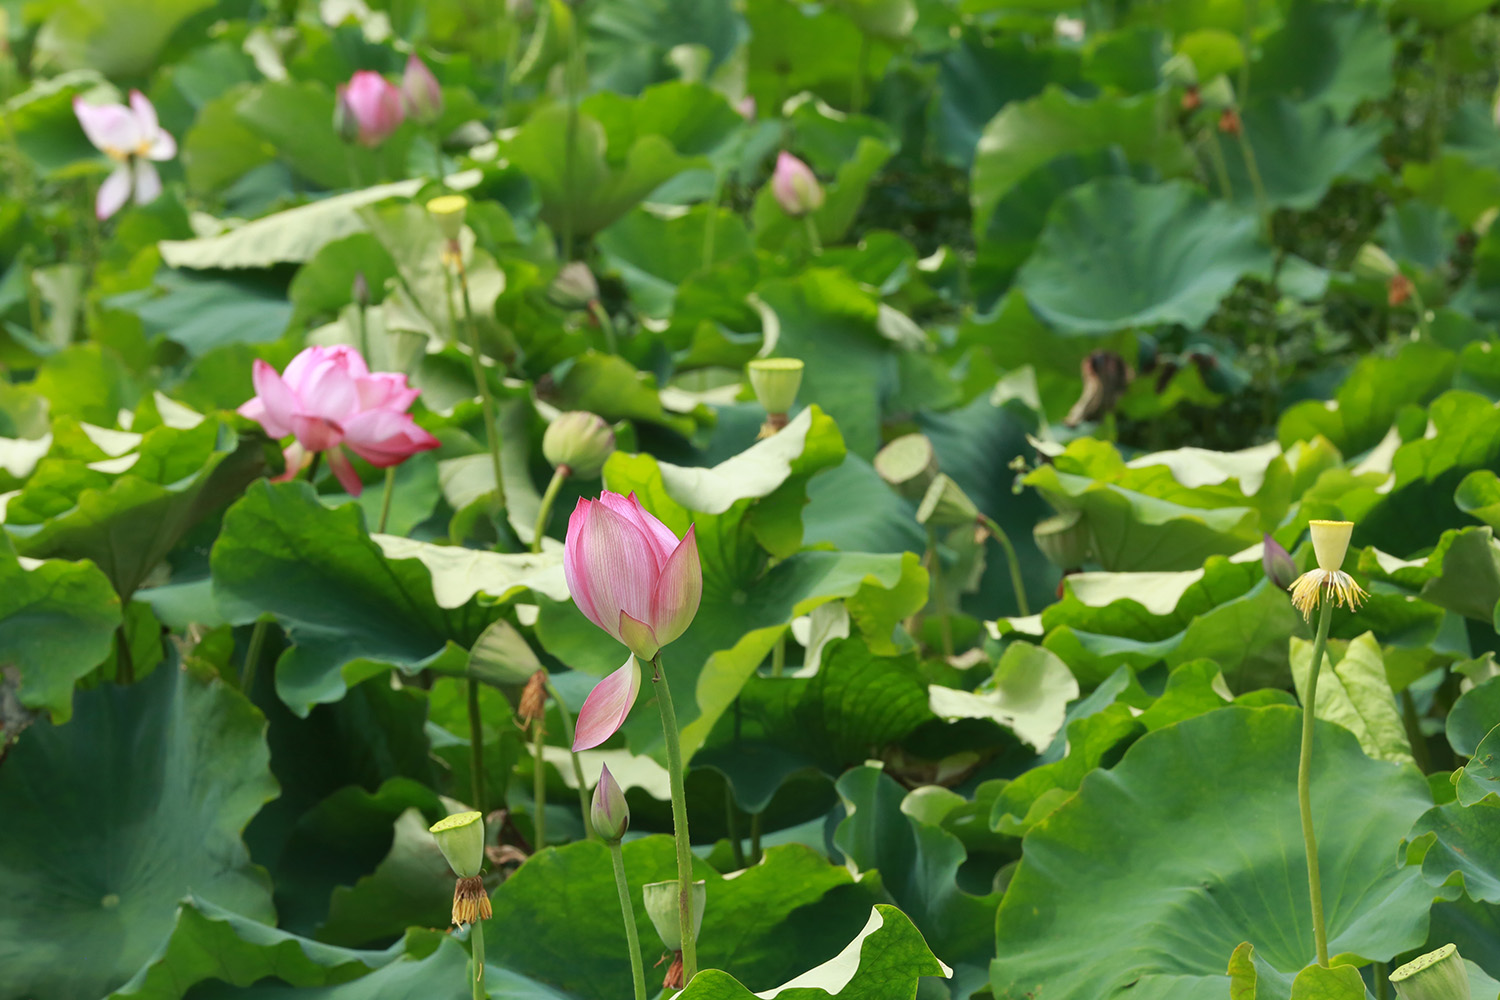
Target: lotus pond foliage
point(875, 499)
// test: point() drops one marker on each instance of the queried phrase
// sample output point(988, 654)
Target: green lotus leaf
point(918, 864)
point(210, 942)
point(126, 513)
point(202, 313)
point(1439, 15)
point(118, 39)
point(57, 621)
point(843, 196)
point(1027, 134)
point(792, 49)
point(440, 975)
point(1028, 693)
point(1194, 838)
point(1454, 182)
point(1353, 692)
point(1301, 151)
point(45, 127)
point(409, 888)
point(1367, 402)
point(654, 254)
point(1116, 254)
point(1473, 715)
point(1463, 839)
point(1480, 777)
point(351, 608)
point(977, 78)
point(293, 116)
point(884, 962)
point(1461, 574)
point(629, 41)
point(856, 704)
point(1035, 794)
point(610, 386)
point(113, 818)
point(557, 919)
point(611, 171)
point(1330, 54)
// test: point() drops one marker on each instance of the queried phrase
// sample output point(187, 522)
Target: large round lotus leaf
point(1117, 254)
point(1144, 883)
point(110, 820)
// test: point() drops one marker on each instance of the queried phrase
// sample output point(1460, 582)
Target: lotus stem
point(679, 822)
point(1304, 780)
point(539, 785)
point(755, 838)
point(481, 381)
point(627, 915)
point(778, 656)
point(252, 655)
point(476, 942)
point(385, 499)
point(543, 514)
point(606, 325)
point(732, 827)
point(124, 662)
point(814, 242)
point(571, 77)
point(939, 591)
point(567, 722)
point(1017, 582)
point(476, 747)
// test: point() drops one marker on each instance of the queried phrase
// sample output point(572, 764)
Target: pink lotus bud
point(629, 574)
point(328, 398)
point(795, 186)
point(605, 709)
point(1278, 564)
point(746, 108)
point(609, 813)
point(374, 104)
point(421, 91)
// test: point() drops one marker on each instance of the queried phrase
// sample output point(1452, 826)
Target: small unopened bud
point(449, 210)
point(946, 506)
point(1065, 539)
point(421, 92)
point(795, 186)
point(776, 381)
point(609, 813)
point(1069, 29)
point(359, 290)
point(1372, 263)
point(574, 287)
point(461, 839)
point(908, 463)
point(1437, 975)
point(1330, 542)
point(579, 441)
point(533, 705)
point(1277, 562)
point(661, 906)
point(746, 108)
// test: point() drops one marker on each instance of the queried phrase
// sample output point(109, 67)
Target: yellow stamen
point(1340, 586)
point(470, 902)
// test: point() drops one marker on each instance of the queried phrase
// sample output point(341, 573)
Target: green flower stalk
point(461, 839)
point(1322, 587)
point(610, 814)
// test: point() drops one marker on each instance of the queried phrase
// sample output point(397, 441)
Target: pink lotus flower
point(630, 575)
point(795, 186)
point(132, 137)
point(373, 104)
point(328, 398)
point(421, 92)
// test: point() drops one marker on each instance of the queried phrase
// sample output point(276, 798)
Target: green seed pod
point(1437, 975)
point(449, 211)
point(776, 381)
point(946, 506)
point(661, 907)
point(461, 839)
point(1372, 263)
point(908, 463)
point(574, 287)
point(580, 440)
point(1064, 539)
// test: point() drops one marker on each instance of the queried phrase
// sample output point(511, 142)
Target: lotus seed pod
point(449, 211)
point(1330, 541)
point(1373, 264)
point(661, 907)
point(579, 440)
point(1437, 975)
point(461, 839)
point(574, 287)
point(946, 506)
point(908, 463)
point(610, 812)
point(1180, 71)
point(1217, 94)
point(1064, 539)
point(776, 381)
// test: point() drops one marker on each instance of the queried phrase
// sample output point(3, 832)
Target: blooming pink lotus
point(630, 575)
point(132, 137)
point(373, 104)
point(328, 398)
point(795, 186)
